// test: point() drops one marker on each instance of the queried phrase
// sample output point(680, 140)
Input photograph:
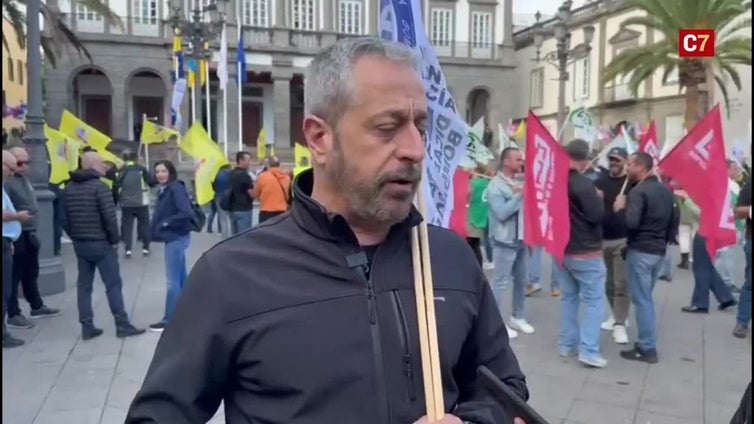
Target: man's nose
point(412, 144)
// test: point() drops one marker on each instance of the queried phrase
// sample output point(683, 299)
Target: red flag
point(546, 219)
point(648, 143)
point(698, 164)
point(459, 214)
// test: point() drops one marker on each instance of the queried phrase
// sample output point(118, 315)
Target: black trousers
point(141, 215)
point(25, 271)
point(7, 278)
point(264, 216)
point(475, 245)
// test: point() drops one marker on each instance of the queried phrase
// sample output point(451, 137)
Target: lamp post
point(563, 55)
point(198, 33)
point(51, 278)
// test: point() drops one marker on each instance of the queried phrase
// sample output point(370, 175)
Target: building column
point(328, 24)
point(120, 105)
point(232, 109)
point(281, 95)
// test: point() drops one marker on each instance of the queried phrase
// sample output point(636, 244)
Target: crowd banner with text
point(547, 222)
point(699, 166)
point(401, 21)
point(648, 143)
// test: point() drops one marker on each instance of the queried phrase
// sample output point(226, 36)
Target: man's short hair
point(506, 152)
point(241, 156)
point(578, 150)
point(329, 75)
point(644, 159)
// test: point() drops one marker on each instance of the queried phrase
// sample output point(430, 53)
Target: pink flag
point(459, 214)
point(648, 143)
point(698, 164)
point(546, 219)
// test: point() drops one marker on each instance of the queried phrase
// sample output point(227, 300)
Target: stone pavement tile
point(626, 396)
point(672, 400)
point(552, 395)
point(645, 417)
point(589, 412)
point(21, 405)
point(132, 369)
point(74, 377)
point(715, 412)
point(122, 392)
point(68, 397)
point(18, 417)
point(112, 415)
point(77, 416)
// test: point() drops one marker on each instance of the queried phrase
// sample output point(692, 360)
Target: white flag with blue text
point(447, 133)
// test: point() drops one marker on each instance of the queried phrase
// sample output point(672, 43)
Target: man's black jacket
point(274, 323)
point(89, 209)
point(652, 217)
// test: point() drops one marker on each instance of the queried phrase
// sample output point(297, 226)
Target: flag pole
point(209, 100)
point(239, 80)
point(141, 139)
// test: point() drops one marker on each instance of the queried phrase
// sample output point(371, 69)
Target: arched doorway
point(92, 98)
point(145, 96)
point(477, 105)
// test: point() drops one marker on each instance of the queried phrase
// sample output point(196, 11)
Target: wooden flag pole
point(425, 311)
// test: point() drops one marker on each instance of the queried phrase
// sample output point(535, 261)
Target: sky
point(547, 7)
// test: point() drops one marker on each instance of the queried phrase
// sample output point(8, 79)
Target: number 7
point(705, 38)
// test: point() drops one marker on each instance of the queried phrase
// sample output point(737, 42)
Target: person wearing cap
point(612, 184)
point(582, 272)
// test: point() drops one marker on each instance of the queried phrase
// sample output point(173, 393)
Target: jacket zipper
point(379, 364)
point(408, 369)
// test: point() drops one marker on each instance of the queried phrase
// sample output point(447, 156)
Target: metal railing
point(466, 50)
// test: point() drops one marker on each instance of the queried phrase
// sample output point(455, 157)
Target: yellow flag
point(77, 129)
point(72, 153)
point(152, 133)
point(110, 157)
point(261, 144)
point(520, 131)
point(57, 150)
point(302, 158)
point(209, 158)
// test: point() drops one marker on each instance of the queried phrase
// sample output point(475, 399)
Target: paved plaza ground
point(57, 378)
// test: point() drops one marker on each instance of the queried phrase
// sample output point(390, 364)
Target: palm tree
point(57, 33)
point(726, 17)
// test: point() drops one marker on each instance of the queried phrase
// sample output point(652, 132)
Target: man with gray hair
point(25, 248)
point(311, 318)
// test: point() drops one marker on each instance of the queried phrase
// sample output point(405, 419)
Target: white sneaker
point(597, 362)
point(488, 266)
point(619, 335)
point(512, 334)
point(521, 325)
point(608, 325)
point(65, 240)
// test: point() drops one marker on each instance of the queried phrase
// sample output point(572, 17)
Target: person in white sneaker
point(510, 254)
point(614, 231)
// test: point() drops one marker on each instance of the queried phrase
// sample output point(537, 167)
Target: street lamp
point(198, 33)
point(563, 55)
point(51, 273)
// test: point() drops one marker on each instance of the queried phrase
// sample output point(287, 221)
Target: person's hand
point(681, 194)
point(517, 188)
point(518, 421)
point(23, 216)
point(446, 419)
point(600, 193)
point(620, 203)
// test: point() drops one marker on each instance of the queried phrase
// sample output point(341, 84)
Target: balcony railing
point(466, 50)
point(618, 93)
point(136, 27)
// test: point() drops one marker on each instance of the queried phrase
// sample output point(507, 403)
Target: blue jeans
point(175, 271)
point(554, 283)
point(487, 244)
point(744, 301)
point(724, 264)
point(212, 213)
point(706, 277)
point(535, 264)
point(510, 264)
point(667, 265)
point(7, 280)
point(240, 221)
point(582, 281)
point(102, 256)
point(642, 271)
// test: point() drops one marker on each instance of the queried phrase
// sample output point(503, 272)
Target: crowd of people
point(311, 312)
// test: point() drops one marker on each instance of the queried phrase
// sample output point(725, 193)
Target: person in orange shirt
point(272, 189)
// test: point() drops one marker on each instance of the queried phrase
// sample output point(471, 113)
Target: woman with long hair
point(171, 224)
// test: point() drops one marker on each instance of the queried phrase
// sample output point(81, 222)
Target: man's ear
point(319, 138)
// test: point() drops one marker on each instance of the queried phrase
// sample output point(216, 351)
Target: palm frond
point(732, 29)
point(17, 20)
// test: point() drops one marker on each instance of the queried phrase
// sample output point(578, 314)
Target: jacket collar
point(313, 218)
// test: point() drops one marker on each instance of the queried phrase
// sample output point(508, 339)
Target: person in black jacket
point(612, 184)
point(310, 316)
point(582, 273)
point(90, 222)
point(652, 219)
